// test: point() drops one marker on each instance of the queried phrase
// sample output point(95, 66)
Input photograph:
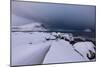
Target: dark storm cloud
point(57, 16)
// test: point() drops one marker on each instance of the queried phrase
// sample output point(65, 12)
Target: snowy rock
point(64, 36)
point(84, 48)
point(68, 36)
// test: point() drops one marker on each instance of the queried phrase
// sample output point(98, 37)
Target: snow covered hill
point(48, 47)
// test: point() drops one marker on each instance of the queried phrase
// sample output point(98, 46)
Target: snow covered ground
point(43, 47)
point(62, 51)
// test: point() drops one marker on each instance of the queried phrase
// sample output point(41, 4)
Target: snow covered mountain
point(30, 27)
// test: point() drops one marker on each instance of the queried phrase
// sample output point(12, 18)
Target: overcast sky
point(54, 16)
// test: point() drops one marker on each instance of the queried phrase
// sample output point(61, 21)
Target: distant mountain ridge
point(30, 27)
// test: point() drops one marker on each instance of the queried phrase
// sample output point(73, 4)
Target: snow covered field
point(43, 47)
